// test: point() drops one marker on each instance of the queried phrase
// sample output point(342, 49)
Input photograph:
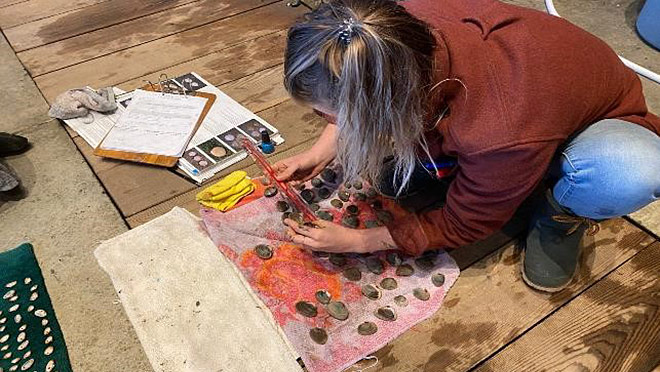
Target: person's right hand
point(299, 168)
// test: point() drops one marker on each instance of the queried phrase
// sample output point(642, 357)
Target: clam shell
point(30, 308)
point(325, 215)
point(264, 251)
point(22, 328)
point(306, 309)
point(10, 284)
point(394, 259)
point(367, 328)
point(24, 345)
point(352, 273)
point(360, 196)
point(401, 301)
point(405, 270)
point(308, 196)
point(282, 206)
point(389, 284)
point(14, 308)
point(421, 294)
point(438, 279)
point(49, 350)
point(318, 335)
point(9, 294)
point(314, 207)
point(323, 296)
point(386, 313)
point(425, 263)
point(375, 265)
point(50, 366)
point(358, 185)
point(40, 313)
point(337, 203)
point(286, 215)
point(337, 310)
point(297, 217)
point(27, 280)
point(352, 209)
point(34, 296)
point(324, 193)
point(27, 365)
point(344, 196)
point(18, 318)
point(370, 224)
point(7, 355)
point(337, 259)
point(371, 292)
point(350, 221)
point(27, 355)
point(21, 337)
point(328, 175)
point(270, 192)
point(317, 182)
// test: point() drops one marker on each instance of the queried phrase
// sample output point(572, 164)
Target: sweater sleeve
point(488, 189)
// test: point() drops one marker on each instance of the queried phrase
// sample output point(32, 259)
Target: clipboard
point(153, 159)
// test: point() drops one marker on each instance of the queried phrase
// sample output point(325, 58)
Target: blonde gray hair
point(376, 81)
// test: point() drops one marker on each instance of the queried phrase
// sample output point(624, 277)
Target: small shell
point(352, 273)
point(367, 328)
point(282, 206)
point(405, 270)
point(360, 196)
point(47, 331)
point(15, 360)
point(21, 337)
point(328, 175)
point(27, 280)
point(270, 192)
point(27, 355)
point(44, 322)
point(371, 292)
point(358, 185)
point(9, 294)
point(386, 313)
point(264, 251)
point(371, 224)
point(425, 263)
point(49, 350)
point(27, 365)
point(317, 182)
point(308, 196)
point(50, 366)
point(337, 259)
point(352, 209)
point(394, 259)
point(13, 368)
point(375, 265)
point(22, 328)
point(337, 203)
point(3, 320)
point(344, 196)
point(34, 287)
point(318, 335)
point(2, 329)
point(23, 345)
point(18, 318)
point(34, 296)
point(314, 207)
point(306, 309)
point(323, 296)
point(337, 310)
point(401, 301)
point(4, 339)
point(438, 279)
point(48, 340)
point(4, 348)
point(421, 294)
point(30, 308)
point(325, 215)
point(389, 284)
point(350, 221)
point(324, 193)
point(14, 308)
point(7, 355)
point(13, 299)
point(40, 313)
point(297, 217)
point(10, 284)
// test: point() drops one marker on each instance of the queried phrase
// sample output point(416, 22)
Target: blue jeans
point(609, 170)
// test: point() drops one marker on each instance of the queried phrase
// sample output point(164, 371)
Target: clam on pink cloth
point(294, 274)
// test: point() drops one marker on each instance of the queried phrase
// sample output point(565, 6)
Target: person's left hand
point(327, 237)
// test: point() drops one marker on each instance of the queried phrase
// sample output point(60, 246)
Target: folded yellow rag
point(225, 193)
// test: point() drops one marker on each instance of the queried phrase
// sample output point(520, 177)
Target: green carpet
point(30, 337)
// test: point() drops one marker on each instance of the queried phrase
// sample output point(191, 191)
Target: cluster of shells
point(23, 358)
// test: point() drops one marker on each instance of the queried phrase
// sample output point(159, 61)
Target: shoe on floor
point(552, 247)
point(11, 144)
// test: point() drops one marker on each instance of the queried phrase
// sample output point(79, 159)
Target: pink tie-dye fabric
point(294, 274)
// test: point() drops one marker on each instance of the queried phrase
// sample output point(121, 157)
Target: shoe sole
point(546, 289)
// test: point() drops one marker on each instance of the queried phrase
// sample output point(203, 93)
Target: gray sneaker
point(552, 248)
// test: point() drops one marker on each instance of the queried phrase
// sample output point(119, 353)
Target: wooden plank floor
point(608, 320)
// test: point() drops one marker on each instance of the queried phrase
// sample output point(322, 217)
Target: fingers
point(284, 172)
point(301, 229)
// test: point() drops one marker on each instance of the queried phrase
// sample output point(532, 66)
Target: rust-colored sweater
point(532, 81)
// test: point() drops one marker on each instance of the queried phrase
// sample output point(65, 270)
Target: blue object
point(609, 170)
point(648, 23)
point(267, 146)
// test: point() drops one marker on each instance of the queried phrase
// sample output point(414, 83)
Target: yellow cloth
point(225, 193)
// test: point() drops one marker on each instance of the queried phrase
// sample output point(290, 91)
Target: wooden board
point(612, 326)
point(109, 53)
point(649, 218)
point(84, 20)
point(28, 11)
point(490, 305)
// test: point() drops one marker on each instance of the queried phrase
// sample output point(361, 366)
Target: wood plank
point(490, 305)
point(90, 18)
point(649, 217)
point(5, 3)
point(612, 326)
point(32, 10)
point(160, 54)
point(223, 66)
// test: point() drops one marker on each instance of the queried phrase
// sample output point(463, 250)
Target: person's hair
point(371, 62)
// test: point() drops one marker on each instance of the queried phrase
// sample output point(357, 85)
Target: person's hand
point(334, 238)
point(299, 168)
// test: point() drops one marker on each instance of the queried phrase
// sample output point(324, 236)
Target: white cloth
point(190, 308)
